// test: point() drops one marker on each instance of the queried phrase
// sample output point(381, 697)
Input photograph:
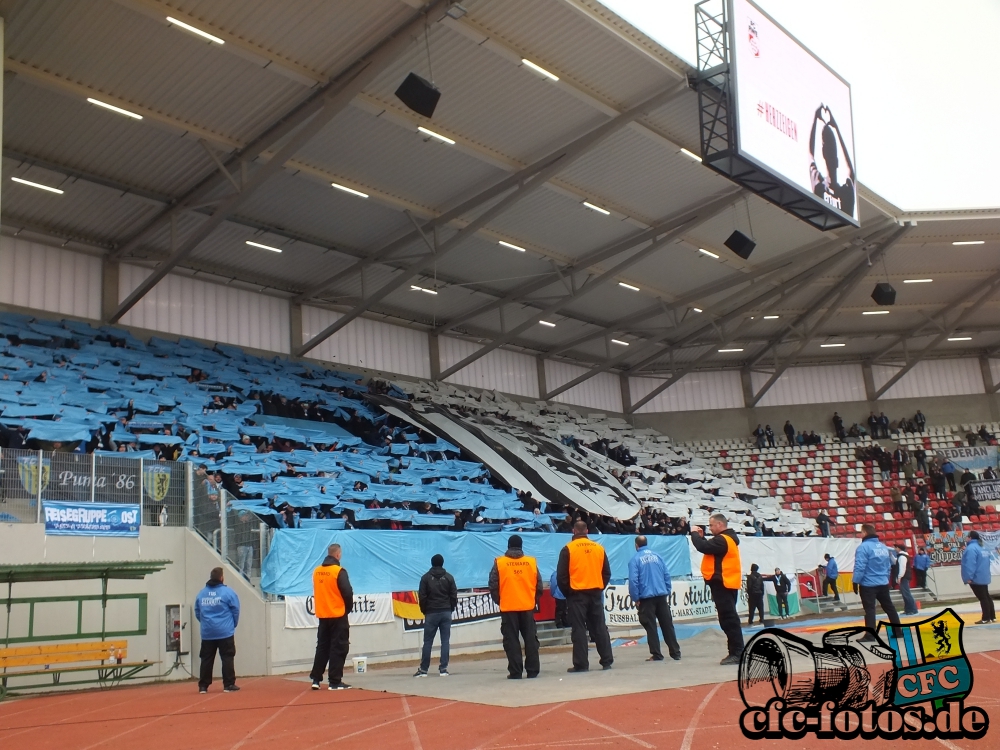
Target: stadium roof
point(634, 285)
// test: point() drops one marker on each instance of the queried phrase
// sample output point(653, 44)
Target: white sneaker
point(443, 673)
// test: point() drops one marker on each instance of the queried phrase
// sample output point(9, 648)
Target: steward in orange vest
point(516, 585)
point(583, 573)
point(333, 600)
point(722, 571)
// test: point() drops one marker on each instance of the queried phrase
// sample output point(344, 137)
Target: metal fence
point(171, 494)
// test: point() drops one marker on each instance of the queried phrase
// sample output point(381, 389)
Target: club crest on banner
point(28, 472)
point(156, 482)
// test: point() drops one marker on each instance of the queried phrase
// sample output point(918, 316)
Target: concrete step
point(550, 635)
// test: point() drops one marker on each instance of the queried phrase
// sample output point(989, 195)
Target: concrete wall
point(737, 423)
point(191, 560)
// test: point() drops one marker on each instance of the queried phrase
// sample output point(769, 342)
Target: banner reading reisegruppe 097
point(92, 519)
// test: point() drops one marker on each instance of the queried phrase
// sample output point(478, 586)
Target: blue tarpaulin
point(384, 561)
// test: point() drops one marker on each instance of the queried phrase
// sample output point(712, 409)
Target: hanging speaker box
point(418, 94)
point(884, 294)
point(740, 244)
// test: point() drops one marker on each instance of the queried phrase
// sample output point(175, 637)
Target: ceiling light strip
point(540, 69)
point(264, 247)
point(38, 185)
point(432, 134)
point(113, 108)
point(512, 246)
point(193, 30)
point(346, 189)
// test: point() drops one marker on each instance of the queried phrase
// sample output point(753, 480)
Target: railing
point(171, 494)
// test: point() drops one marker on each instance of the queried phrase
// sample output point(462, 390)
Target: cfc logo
point(906, 681)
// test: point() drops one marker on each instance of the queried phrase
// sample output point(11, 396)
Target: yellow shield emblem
point(156, 482)
point(29, 473)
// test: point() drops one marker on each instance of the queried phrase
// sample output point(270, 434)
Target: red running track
point(275, 712)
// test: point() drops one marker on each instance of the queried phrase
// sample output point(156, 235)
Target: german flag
point(404, 605)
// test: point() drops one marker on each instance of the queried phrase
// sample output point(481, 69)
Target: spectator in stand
point(988, 437)
point(937, 479)
point(885, 465)
point(948, 469)
point(872, 425)
point(759, 434)
point(967, 476)
point(921, 564)
point(976, 575)
point(899, 457)
point(790, 433)
point(883, 425)
point(920, 456)
point(823, 521)
point(769, 434)
point(944, 520)
point(897, 499)
point(989, 473)
point(800, 439)
point(919, 420)
point(838, 426)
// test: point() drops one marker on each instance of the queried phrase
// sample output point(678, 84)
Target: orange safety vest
point(518, 583)
point(327, 599)
point(586, 564)
point(732, 573)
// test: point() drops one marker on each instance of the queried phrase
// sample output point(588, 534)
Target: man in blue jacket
point(649, 587)
point(921, 564)
point(976, 573)
point(872, 562)
point(830, 578)
point(217, 608)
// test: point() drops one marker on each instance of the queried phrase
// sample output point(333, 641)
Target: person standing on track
point(583, 572)
point(516, 585)
point(782, 586)
point(333, 600)
point(723, 573)
point(921, 564)
point(976, 574)
point(649, 586)
point(872, 563)
point(561, 620)
point(755, 593)
point(217, 608)
point(437, 596)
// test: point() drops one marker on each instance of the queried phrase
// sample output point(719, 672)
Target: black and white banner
point(985, 491)
point(474, 606)
point(528, 461)
point(369, 609)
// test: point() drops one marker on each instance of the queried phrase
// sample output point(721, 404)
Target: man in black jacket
point(438, 597)
point(755, 593)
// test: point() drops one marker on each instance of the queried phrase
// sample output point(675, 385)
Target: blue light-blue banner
point(384, 561)
point(92, 519)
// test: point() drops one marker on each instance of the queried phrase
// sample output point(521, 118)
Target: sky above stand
point(925, 86)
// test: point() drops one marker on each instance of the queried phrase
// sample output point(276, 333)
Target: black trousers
point(655, 610)
point(880, 594)
point(513, 624)
point(562, 617)
point(756, 602)
point(729, 620)
point(333, 641)
point(782, 603)
point(921, 577)
point(982, 592)
point(227, 650)
point(586, 612)
point(831, 583)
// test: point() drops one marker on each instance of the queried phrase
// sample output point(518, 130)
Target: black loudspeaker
point(740, 244)
point(419, 95)
point(884, 294)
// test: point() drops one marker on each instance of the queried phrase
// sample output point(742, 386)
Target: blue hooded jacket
point(217, 608)
point(872, 563)
point(976, 564)
point(647, 575)
point(832, 571)
point(554, 587)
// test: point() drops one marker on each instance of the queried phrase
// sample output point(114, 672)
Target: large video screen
point(793, 113)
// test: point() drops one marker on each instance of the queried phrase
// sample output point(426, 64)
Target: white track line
point(250, 735)
point(539, 715)
point(689, 734)
point(414, 737)
point(987, 656)
point(379, 726)
point(614, 731)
